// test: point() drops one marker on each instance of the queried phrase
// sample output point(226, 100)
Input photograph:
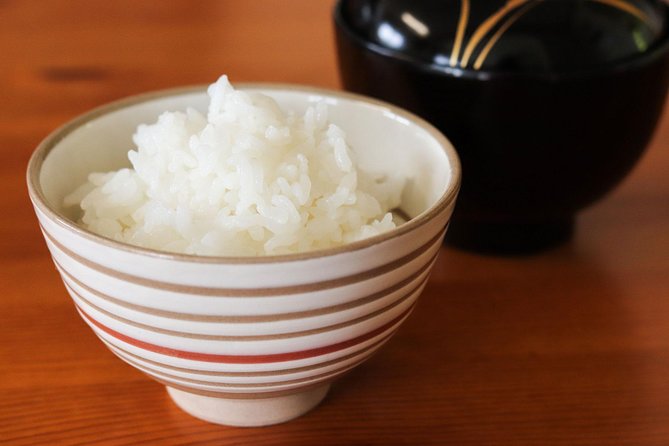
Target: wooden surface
point(566, 348)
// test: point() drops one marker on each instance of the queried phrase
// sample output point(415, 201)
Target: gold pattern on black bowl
point(508, 35)
point(506, 16)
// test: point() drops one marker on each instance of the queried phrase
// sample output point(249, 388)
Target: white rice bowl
point(247, 179)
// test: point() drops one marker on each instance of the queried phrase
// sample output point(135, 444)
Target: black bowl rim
point(657, 50)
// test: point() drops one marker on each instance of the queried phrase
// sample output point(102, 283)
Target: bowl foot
point(248, 412)
point(515, 238)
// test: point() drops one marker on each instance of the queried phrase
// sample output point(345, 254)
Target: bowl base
point(515, 238)
point(248, 412)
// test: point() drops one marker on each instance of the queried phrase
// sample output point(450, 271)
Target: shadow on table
point(510, 351)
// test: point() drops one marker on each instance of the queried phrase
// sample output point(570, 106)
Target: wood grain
point(570, 347)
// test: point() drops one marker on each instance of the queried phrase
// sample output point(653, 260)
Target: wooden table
point(570, 347)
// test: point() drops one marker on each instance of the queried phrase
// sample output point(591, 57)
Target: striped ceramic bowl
point(239, 340)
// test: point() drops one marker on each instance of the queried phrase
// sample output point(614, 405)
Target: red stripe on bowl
point(245, 359)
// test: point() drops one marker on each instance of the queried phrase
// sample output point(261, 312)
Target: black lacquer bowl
point(549, 103)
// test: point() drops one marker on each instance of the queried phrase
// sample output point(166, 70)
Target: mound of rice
point(248, 179)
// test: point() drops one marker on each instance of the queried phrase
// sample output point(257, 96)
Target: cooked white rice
point(247, 179)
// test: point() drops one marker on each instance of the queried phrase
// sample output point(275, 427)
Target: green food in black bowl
point(549, 103)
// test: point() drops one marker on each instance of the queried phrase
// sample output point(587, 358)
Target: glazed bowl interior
point(100, 140)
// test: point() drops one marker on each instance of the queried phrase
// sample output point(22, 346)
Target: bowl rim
point(43, 149)
point(657, 50)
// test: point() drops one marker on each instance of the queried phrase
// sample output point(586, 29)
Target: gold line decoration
point(235, 395)
point(242, 292)
point(411, 295)
point(486, 26)
point(493, 40)
point(319, 365)
point(459, 36)
point(626, 7)
point(227, 385)
point(69, 280)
